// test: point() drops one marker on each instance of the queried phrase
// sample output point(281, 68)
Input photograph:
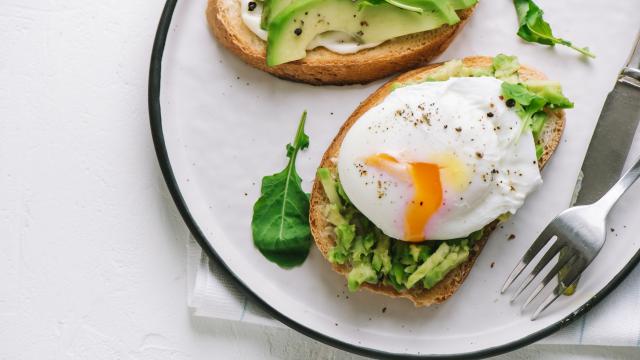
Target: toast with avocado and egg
point(337, 41)
point(419, 176)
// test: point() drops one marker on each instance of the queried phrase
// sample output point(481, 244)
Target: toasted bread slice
point(323, 67)
point(321, 229)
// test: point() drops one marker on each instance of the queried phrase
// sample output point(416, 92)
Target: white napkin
point(212, 294)
point(614, 322)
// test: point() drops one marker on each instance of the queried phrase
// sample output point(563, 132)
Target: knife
point(613, 134)
point(612, 137)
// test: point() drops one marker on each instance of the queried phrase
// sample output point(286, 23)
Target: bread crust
point(323, 67)
point(444, 289)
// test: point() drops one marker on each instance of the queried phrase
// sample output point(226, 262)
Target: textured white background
point(92, 251)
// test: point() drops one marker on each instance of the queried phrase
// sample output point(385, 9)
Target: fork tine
point(564, 283)
point(569, 260)
point(514, 274)
point(546, 258)
point(535, 248)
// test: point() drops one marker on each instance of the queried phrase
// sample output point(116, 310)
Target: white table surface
point(92, 250)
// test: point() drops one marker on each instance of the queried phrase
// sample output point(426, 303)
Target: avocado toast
point(388, 263)
point(405, 47)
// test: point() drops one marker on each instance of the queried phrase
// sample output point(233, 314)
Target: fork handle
point(612, 196)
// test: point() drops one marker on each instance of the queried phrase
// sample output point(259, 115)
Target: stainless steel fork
point(579, 231)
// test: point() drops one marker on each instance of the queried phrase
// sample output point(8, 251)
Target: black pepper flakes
point(458, 129)
point(510, 103)
point(490, 114)
point(511, 237)
point(384, 309)
point(298, 31)
point(252, 5)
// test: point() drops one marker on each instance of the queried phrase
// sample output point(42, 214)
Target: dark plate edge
point(157, 134)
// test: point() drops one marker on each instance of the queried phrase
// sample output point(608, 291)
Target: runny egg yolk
point(427, 198)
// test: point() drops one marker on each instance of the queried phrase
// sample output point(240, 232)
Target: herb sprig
point(533, 28)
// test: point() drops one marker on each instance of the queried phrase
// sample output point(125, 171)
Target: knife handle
point(633, 65)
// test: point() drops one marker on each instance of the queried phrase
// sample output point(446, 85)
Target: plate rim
point(162, 154)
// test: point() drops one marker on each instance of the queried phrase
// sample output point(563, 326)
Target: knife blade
point(613, 135)
point(611, 140)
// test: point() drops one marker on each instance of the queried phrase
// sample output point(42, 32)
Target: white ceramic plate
point(224, 125)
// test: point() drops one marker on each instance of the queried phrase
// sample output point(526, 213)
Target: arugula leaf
point(533, 28)
point(364, 3)
point(531, 100)
point(527, 102)
point(446, 8)
point(280, 223)
point(442, 7)
point(407, 5)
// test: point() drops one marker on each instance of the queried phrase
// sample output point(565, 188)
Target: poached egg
point(438, 160)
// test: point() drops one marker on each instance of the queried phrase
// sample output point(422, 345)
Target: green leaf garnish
point(530, 101)
point(280, 223)
point(406, 5)
point(446, 8)
point(533, 28)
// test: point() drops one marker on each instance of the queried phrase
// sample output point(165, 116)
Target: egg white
point(488, 161)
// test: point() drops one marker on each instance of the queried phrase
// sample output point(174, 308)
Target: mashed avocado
point(374, 257)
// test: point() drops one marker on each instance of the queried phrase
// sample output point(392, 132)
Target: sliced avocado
point(506, 68)
point(432, 261)
point(293, 28)
point(537, 123)
point(550, 91)
point(415, 251)
point(332, 212)
point(329, 186)
point(270, 9)
point(456, 257)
